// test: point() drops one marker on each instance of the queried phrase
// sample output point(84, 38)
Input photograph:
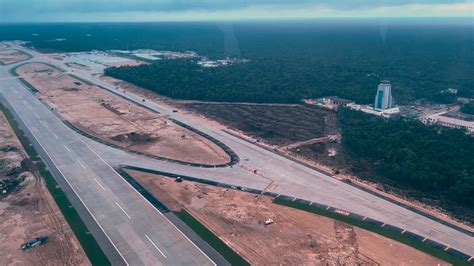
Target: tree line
point(436, 161)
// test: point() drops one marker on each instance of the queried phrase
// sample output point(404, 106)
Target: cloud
point(31, 9)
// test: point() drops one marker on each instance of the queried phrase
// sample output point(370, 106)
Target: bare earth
point(27, 210)
point(296, 237)
point(11, 56)
point(316, 155)
point(118, 121)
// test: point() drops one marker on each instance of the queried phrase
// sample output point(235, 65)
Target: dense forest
point(289, 60)
point(439, 162)
point(468, 108)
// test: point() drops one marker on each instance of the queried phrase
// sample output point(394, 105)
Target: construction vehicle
point(179, 179)
point(34, 242)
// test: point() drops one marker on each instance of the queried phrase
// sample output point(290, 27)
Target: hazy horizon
point(31, 11)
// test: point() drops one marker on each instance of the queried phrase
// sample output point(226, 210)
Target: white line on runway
point(9, 78)
point(27, 105)
point(73, 189)
point(100, 185)
point(44, 124)
point(166, 219)
point(153, 243)
point(123, 210)
point(36, 115)
point(80, 162)
point(56, 136)
point(66, 148)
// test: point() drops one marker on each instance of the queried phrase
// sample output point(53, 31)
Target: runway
point(136, 230)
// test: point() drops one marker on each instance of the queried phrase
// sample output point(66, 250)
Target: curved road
point(285, 176)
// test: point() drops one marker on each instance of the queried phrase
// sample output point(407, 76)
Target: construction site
point(266, 233)
point(33, 230)
point(12, 56)
point(114, 120)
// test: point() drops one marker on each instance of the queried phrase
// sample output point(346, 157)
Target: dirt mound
point(136, 138)
point(10, 162)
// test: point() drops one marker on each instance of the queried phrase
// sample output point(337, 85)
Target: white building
point(383, 98)
point(439, 119)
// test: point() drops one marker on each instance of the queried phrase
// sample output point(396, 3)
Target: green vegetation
point(89, 244)
point(289, 60)
point(231, 256)
point(438, 162)
point(397, 236)
point(468, 108)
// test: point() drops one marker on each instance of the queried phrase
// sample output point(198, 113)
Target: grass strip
point(375, 229)
point(231, 256)
point(89, 244)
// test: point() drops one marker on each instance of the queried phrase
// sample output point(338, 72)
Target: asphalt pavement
point(134, 226)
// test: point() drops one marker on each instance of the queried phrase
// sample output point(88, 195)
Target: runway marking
point(328, 208)
point(446, 249)
point(66, 148)
point(364, 218)
point(403, 232)
point(311, 203)
point(73, 189)
point(44, 124)
point(383, 225)
point(153, 243)
point(56, 136)
point(36, 115)
point(27, 105)
point(471, 258)
point(424, 239)
point(149, 203)
point(123, 210)
point(100, 185)
point(80, 162)
point(9, 78)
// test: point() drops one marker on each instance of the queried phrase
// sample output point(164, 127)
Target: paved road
point(137, 233)
point(284, 176)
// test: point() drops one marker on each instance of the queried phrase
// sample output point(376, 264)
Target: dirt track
point(295, 237)
point(11, 56)
point(118, 121)
point(27, 210)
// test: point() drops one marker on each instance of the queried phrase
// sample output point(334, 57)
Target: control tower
point(383, 99)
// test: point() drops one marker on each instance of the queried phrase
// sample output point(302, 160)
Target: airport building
point(383, 99)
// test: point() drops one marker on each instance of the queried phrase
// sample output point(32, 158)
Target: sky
point(192, 10)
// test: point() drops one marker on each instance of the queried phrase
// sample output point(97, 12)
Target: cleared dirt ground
point(272, 123)
point(296, 237)
point(116, 120)
point(12, 56)
point(27, 210)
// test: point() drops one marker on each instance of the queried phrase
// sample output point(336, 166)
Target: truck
point(41, 240)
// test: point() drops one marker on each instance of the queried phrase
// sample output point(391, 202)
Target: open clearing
point(296, 237)
point(27, 210)
point(115, 120)
point(11, 56)
point(274, 124)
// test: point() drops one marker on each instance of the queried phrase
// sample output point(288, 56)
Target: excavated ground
point(27, 210)
point(295, 238)
point(11, 56)
point(115, 120)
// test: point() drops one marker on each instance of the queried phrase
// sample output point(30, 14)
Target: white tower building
point(383, 99)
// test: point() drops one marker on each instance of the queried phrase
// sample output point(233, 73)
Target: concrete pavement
point(285, 176)
point(138, 233)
